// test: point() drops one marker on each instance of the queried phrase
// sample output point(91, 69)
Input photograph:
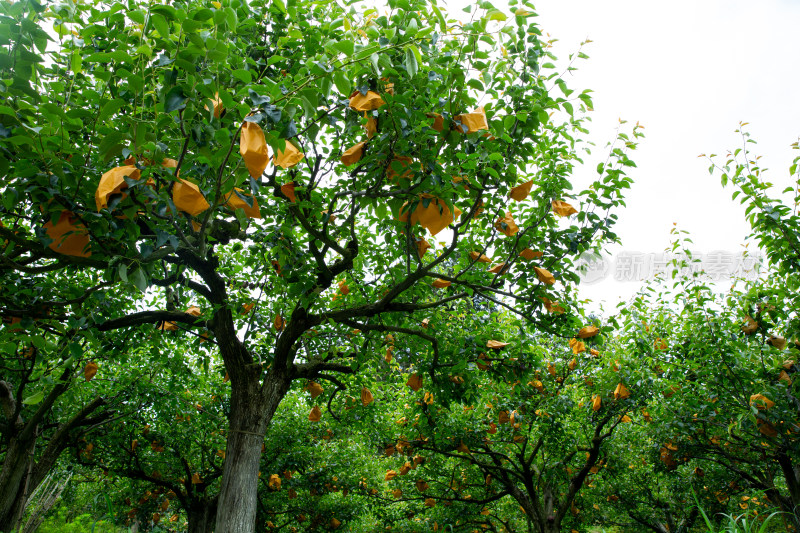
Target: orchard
point(308, 266)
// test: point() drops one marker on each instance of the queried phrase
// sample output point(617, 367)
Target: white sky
point(688, 71)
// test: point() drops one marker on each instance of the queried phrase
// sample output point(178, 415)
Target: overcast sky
point(688, 71)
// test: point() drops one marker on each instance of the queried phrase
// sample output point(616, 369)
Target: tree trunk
point(9, 522)
point(791, 474)
point(12, 480)
point(15, 470)
point(549, 526)
point(202, 515)
point(540, 519)
point(551, 523)
point(252, 408)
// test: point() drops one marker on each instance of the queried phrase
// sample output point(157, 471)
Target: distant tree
point(171, 449)
point(722, 397)
point(44, 408)
point(519, 426)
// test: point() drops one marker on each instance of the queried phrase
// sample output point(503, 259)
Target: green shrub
point(83, 523)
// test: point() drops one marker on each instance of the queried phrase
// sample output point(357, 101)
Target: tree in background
point(721, 407)
point(517, 440)
point(320, 474)
point(47, 405)
point(171, 449)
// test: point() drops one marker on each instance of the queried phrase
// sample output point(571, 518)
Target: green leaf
point(136, 15)
point(280, 5)
point(373, 58)
point(417, 53)
point(412, 67)
point(342, 82)
point(242, 75)
point(230, 18)
point(39, 342)
point(109, 109)
point(111, 144)
point(412, 27)
point(20, 140)
point(61, 30)
point(99, 57)
point(121, 56)
point(175, 99)
point(76, 62)
point(219, 52)
point(496, 14)
point(345, 47)
point(543, 116)
point(145, 51)
point(308, 108)
point(33, 399)
point(75, 349)
point(381, 211)
point(168, 12)
point(203, 14)
point(139, 280)
point(160, 24)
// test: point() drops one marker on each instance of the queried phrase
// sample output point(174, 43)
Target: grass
point(743, 523)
